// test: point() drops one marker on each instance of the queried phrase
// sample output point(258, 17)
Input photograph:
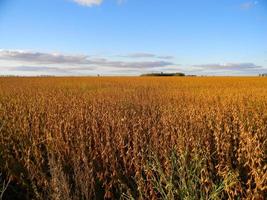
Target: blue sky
point(130, 37)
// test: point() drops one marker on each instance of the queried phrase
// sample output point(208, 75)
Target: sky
point(132, 37)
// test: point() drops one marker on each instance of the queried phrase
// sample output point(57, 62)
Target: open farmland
point(133, 138)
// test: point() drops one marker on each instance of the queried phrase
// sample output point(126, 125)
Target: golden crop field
point(133, 138)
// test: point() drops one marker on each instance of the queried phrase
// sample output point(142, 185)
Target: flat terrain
point(133, 138)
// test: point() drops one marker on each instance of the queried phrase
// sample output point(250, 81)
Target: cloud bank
point(230, 66)
point(19, 62)
point(28, 61)
point(42, 58)
point(231, 69)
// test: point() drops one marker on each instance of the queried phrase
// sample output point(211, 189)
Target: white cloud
point(146, 55)
point(88, 2)
point(121, 1)
point(42, 58)
point(248, 5)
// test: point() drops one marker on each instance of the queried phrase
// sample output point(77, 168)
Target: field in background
point(133, 138)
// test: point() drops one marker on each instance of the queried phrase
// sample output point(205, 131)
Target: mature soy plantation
point(133, 138)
